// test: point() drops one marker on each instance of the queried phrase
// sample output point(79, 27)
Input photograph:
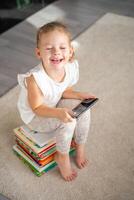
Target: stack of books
point(36, 149)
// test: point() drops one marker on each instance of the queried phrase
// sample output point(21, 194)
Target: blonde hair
point(52, 26)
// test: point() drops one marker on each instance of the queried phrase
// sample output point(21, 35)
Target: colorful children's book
point(41, 139)
point(41, 162)
point(32, 164)
point(35, 157)
point(47, 152)
point(38, 150)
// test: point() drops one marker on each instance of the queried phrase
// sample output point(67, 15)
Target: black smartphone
point(83, 106)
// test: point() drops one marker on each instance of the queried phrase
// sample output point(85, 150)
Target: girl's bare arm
point(35, 99)
point(69, 93)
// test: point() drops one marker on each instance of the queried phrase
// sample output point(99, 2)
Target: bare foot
point(64, 165)
point(80, 156)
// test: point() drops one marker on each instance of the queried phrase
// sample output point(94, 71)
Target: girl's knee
point(71, 125)
point(86, 115)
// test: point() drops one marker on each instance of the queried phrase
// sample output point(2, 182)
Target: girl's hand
point(64, 114)
point(84, 95)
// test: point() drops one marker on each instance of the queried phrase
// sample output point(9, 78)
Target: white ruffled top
point(51, 89)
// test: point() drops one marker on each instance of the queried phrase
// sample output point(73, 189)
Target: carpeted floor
point(106, 58)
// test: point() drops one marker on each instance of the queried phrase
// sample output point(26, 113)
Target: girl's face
point(54, 50)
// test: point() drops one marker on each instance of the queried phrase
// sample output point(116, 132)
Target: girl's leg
point(64, 133)
point(81, 134)
point(44, 125)
point(66, 130)
point(64, 138)
point(81, 131)
point(63, 142)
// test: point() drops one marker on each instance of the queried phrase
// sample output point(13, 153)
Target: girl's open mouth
point(56, 61)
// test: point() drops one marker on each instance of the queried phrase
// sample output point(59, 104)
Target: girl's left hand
point(84, 95)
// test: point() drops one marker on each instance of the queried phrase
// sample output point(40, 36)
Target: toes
point(65, 169)
point(72, 176)
point(69, 178)
point(74, 173)
point(82, 164)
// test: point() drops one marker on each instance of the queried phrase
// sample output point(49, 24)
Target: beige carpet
point(106, 58)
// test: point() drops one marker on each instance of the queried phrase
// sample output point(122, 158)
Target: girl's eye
point(49, 48)
point(63, 47)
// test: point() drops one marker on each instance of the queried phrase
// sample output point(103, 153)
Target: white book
point(41, 139)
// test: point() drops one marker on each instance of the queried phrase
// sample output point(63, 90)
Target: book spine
point(18, 141)
point(36, 172)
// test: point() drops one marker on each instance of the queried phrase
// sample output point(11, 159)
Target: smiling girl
point(47, 97)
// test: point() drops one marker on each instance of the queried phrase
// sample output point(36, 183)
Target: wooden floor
point(17, 44)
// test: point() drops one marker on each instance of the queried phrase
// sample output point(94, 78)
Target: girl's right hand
point(64, 114)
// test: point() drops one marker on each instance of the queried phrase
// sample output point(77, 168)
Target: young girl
point(47, 97)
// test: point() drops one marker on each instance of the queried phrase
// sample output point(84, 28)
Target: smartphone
point(83, 106)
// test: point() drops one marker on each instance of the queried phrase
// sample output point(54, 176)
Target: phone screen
point(88, 102)
point(83, 106)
